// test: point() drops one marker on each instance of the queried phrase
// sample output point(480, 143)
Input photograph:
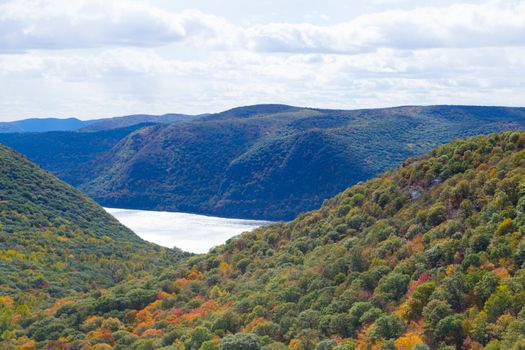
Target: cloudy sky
point(94, 58)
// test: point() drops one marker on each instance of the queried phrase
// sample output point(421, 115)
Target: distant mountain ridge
point(130, 120)
point(74, 124)
point(44, 124)
point(253, 111)
point(262, 162)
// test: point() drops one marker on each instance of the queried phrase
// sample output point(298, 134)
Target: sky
point(94, 58)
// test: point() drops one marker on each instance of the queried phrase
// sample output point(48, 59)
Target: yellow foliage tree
point(225, 269)
point(408, 341)
point(215, 292)
point(30, 345)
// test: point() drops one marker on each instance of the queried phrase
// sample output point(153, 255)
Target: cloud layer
point(457, 26)
point(94, 58)
point(59, 24)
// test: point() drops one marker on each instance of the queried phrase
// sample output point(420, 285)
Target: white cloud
point(497, 23)
point(58, 24)
point(122, 81)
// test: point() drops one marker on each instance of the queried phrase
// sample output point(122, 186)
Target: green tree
point(435, 311)
point(393, 286)
point(498, 303)
point(241, 341)
point(198, 336)
point(419, 299)
point(450, 329)
point(386, 326)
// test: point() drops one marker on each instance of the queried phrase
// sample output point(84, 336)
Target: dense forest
point(56, 242)
point(428, 256)
point(260, 162)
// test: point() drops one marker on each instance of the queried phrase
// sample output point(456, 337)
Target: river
point(189, 232)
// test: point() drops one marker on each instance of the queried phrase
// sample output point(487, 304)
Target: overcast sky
point(94, 58)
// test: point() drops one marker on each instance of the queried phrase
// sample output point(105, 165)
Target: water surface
point(189, 232)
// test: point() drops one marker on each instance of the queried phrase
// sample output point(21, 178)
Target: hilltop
point(428, 256)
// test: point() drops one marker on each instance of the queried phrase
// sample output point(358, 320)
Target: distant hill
point(253, 111)
point(44, 124)
point(74, 124)
point(130, 120)
point(54, 240)
point(428, 256)
point(265, 161)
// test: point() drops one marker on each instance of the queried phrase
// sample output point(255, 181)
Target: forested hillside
point(428, 256)
point(265, 161)
point(54, 241)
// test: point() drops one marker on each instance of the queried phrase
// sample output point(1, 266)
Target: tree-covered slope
point(428, 256)
point(55, 241)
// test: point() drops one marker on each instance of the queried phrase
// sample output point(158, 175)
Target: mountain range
point(264, 162)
